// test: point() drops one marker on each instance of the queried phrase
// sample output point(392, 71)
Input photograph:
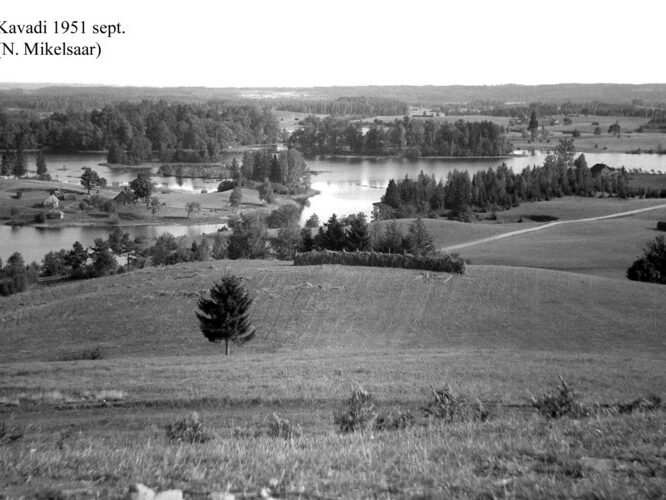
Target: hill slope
point(151, 312)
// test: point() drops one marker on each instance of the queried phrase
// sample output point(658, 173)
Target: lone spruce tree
point(224, 317)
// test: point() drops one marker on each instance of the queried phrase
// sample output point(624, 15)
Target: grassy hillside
point(498, 333)
point(151, 312)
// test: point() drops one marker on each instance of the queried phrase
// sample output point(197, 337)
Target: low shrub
point(650, 403)
point(451, 407)
point(661, 226)
point(188, 429)
point(438, 263)
point(395, 421)
point(92, 353)
point(279, 427)
point(40, 217)
point(226, 185)
point(359, 415)
point(9, 433)
point(562, 402)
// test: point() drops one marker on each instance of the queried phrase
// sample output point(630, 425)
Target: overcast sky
point(317, 43)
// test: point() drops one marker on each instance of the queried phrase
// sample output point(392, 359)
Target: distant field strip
point(549, 225)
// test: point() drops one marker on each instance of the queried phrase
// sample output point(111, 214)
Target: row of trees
point(14, 163)
point(411, 137)
point(501, 188)
point(133, 132)
point(249, 238)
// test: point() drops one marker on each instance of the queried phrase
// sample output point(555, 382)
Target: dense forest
point(409, 137)
point(360, 106)
point(286, 170)
point(501, 188)
point(133, 132)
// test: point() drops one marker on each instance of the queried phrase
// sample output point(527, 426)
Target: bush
point(650, 403)
point(248, 238)
point(9, 433)
point(40, 217)
point(279, 427)
point(187, 430)
point(562, 402)
point(451, 407)
point(652, 266)
point(395, 421)
point(661, 226)
point(285, 215)
point(438, 263)
point(226, 185)
point(359, 415)
point(91, 353)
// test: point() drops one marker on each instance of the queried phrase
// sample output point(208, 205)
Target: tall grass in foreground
point(521, 457)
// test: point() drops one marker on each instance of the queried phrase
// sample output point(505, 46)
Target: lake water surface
point(346, 186)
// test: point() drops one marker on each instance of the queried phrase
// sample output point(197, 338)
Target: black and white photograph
point(317, 250)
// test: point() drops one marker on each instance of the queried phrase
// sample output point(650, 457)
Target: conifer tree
point(225, 316)
point(41, 163)
point(19, 163)
point(333, 237)
point(358, 238)
point(236, 198)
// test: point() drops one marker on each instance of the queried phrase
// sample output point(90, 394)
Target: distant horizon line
point(510, 84)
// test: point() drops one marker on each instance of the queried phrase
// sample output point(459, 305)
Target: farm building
point(125, 197)
point(51, 201)
point(601, 169)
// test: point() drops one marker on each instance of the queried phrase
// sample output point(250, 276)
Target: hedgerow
point(438, 263)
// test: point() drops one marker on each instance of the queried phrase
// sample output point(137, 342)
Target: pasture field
point(601, 248)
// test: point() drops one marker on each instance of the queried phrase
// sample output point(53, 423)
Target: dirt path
point(549, 225)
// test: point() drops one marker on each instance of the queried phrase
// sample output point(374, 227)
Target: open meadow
point(93, 371)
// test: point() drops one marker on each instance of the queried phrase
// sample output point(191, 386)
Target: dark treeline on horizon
point(133, 132)
point(409, 137)
point(501, 188)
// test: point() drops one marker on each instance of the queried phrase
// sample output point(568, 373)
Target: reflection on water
point(346, 185)
point(34, 242)
point(352, 185)
point(69, 167)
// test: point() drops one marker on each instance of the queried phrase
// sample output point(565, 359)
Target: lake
point(346, 185)
point(351, 185)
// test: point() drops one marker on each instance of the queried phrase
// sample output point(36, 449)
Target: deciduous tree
point(90, 179)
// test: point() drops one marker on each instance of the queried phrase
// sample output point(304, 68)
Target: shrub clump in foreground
point(188, 429)
point(562, 402)
point(438, 263)
point(451, 407)
point(360, 414)
point(280, 427)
